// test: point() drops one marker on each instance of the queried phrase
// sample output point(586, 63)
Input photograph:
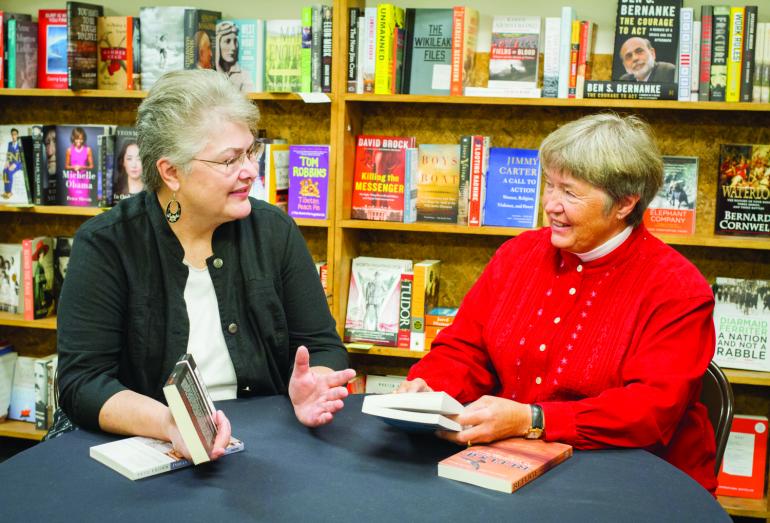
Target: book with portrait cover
point(742, 323)
point(379, 177)
point(8, 357)
point(82, 52)
point(513, 56)
point(11, 279)
point(438, 182)
point(513, 188)
point(743, 191)
point(283, 49)
point(648, 35)
point(77, 155)
point(127, 165)
point(52, 49)
point(118, 53)
point(373, 300)
point(13, 164)
point(161, 42)
point(428, 52)
point(199, 38)
point(742, 474)
point(672, 210)
point(139, 457)
point(239, 53)
point(505, 465)
point(37, 270)
point(308, 181)
point(22, 54)
point(61, 260)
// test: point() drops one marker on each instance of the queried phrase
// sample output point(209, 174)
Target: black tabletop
point(357, 469)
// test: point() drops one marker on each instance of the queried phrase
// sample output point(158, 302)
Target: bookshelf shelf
point(17, 320)
point(308, 222)
point(747, 377)
point(753, 508)
point(21, 429)
point(97, 93)
point(390, 351)
point(61, 210)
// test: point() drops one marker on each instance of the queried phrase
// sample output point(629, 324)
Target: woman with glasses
point(193, 265)
point(590, 331)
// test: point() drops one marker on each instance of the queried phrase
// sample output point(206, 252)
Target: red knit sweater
point(613, 349)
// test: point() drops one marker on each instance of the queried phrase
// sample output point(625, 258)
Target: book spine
point(41, 394)
point(734, 59)
point(363, 42)
point(685, 52)
point(695, 61)
point(316, 45)
point(3, 81)
point(383, 70)
point(370, 56)
point(565, 42)
point(551, 57)
point(463, 201)
point(406, 73)
point(12, 53)
point(458, 30)
point(720, 34)
point(706, 17)
point(26, 272)
point(190, 27)
point(130, 71)
point(759, 63)
point(475, 202)
point(574, 51)
point(353, 36)
point(326, 48)
point(765, 91)
point(749, 41)
point(53, 394)
point(405, 310)
point(306, 55)
point(410, 185)
point(584, 57)
point(417, 320)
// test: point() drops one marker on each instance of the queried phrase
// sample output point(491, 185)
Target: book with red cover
point(52, 49)
point(505, 465)
point(378, 182)
point(742, 474)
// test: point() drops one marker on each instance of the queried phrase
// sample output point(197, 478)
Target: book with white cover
point(139, 457)
point(416, 410)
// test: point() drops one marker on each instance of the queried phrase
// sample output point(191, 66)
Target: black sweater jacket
point(122, 320)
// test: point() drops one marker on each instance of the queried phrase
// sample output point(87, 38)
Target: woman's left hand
point(316, 393)
point(488, 419)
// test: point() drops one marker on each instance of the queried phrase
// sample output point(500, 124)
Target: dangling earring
point(173, 215)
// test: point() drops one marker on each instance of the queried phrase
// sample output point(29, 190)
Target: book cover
point(41, 367)
point(505, 465)
point(425, 291)
point(61, 259)
point(283, 45)
point(192, 409)
point(277, 174)
point(13, 165)
point(5, 19)
point(513, 188)
point(719, 52)
point(22, 54)
point(308, 181)
point(22, 407)
point(441, 316)
point(139, 457)
point(428, 53)
point(672, 210)
point(465, 28)
point(37, 268)
point(199, 38)
point(7, 365)
point(630, 90)
point(513, 57)
point(646, 41)
point(405, 310)
point(44, 166)
point(387, 20)
point(240, 53)
point(735, 53)
point(742, 474)
point(438, 182)
point(373, 300)
point(161, 42)
point(306, 52)
point(52, 49)
point(743, 191)
point(117, 41)
point(82, 67)
point(376, 384)
point(379, 177)
point(127, 179)
point(11, 279)
point(742, 323)
point(76, 170)
point(551, 57)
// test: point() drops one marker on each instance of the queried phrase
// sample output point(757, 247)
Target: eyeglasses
point(233, 165)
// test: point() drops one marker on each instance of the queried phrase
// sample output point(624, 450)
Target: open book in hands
point(415, 410)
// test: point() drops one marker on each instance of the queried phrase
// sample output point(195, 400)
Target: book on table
point(415, 410)
point(504, 465)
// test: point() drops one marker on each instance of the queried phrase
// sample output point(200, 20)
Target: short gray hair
point(615, 153)
point(176, 119)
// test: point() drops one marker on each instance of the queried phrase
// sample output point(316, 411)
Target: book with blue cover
point(513, 187)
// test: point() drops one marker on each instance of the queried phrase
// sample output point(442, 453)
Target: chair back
point(717, 396)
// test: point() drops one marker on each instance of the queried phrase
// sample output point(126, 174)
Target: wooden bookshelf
point(101, 93)
point(17, 320)
point(394, 352)
point(753, 508)
point(21, 429)
point(748, 377)
point(60, 210)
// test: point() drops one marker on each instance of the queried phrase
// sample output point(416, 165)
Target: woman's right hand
point(224, 431)
point(415, 385)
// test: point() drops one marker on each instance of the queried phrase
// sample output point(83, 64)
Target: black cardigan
point(122, 319)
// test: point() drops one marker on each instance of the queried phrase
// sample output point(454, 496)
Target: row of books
point(660, 52)
point(27, 387)
point(79, 48)
point(31, 275)
point(393, 303)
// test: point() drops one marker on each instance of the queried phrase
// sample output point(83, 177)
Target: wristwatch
point(538, 423)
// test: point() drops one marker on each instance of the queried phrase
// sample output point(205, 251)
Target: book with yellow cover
point(438, 182)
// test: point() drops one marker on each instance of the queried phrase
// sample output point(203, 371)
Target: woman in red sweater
point(590, 331)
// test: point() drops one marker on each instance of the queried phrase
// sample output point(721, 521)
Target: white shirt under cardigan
point(206, 341)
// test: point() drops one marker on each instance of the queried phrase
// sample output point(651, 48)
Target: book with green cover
point(283, 48)
point(428, 54)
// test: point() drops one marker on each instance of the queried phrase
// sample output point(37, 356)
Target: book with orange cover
point(505, 465)
point(742, 474)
